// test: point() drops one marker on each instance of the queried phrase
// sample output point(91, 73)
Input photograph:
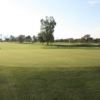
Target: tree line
point(32, 39)
point(84, 39)
point(21, 38)
point(46, 35)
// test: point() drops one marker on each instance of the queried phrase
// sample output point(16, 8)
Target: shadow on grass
point(56, 46)
point(50, 84)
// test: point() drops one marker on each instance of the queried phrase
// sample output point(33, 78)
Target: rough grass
point(30, 72)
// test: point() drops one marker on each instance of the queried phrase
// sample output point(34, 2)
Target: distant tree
point(1, 40)
point(12, 38)
point(97, 40)
point(34, 38)
point(70, 40)
point(0, 37)
point(40, 37)
point(7, 39)
point(47, 28)
point(28, 38)
point(21, 38)
point(87, 38)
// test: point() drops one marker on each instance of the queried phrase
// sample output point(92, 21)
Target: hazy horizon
point(74, 18)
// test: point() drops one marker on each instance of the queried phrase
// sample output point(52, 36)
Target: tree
point(47, 29)
point(0, 37)
point(7, 39)
point(34, 38)
point(12, 38)
point(97, 40)
point(21, 38)
point(40, 37)
point(87, 38)
point(28, 38)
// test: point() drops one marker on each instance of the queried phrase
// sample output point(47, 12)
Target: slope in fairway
point(30, 72)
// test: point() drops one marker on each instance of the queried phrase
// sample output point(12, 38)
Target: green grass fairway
point(35, 72)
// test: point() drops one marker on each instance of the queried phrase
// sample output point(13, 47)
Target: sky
point(74, 18)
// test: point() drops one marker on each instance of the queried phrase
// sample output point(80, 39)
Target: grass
point(30, 72)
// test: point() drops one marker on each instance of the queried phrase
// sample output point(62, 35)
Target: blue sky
point(74, 18)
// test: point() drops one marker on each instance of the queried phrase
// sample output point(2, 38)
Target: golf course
point(38, 72)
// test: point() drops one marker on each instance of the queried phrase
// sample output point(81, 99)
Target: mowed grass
point(34, 72)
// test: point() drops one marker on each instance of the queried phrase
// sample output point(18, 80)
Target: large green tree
point(47, 29)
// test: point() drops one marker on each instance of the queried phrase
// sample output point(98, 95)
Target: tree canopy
point(47, 29)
